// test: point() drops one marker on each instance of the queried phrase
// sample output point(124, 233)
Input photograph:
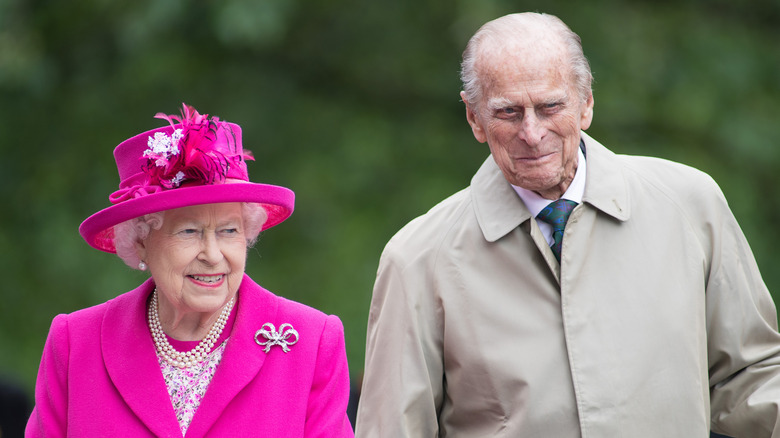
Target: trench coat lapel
point(500, 211)
point(605, 187)
point(243, 357)
point(131, 362)
point(498, 208)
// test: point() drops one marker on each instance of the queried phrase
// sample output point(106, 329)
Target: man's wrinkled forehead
point(505, 63)
point(521, 49)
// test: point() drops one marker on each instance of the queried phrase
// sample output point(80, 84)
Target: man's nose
point(531, 129)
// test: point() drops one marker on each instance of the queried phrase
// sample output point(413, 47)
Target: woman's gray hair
point(506, 27)
point(127, 233)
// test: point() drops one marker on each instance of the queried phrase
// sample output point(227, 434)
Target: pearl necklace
point(197, 354)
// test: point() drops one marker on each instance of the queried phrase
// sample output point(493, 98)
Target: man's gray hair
point(506, 27)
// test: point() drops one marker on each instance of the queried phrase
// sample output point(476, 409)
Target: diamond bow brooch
point(285, 337)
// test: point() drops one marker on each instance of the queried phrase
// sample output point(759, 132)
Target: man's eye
point(505, 113)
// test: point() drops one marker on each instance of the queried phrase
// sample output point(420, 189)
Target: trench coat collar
point(500, 210)
point(131, 360)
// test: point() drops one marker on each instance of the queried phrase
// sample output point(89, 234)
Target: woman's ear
point(140, 249)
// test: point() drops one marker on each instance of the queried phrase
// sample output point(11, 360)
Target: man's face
point(531, 116)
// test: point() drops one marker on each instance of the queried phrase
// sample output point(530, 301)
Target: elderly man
point(645, 317)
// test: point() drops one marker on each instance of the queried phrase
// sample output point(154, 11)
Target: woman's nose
point(210, 251)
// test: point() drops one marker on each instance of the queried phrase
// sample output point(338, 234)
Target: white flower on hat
point(162, 147)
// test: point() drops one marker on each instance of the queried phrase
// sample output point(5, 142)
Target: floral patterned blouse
point(187, 386)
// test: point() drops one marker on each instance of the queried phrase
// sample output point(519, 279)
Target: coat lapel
point(242, 359)
point(131, 362)
point(605, 188)
point(498, 208)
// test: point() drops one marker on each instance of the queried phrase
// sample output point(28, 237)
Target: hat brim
point(98, 229)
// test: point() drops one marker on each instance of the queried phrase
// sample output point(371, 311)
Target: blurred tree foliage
point(354, 105)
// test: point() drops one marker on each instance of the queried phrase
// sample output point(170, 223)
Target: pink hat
point(198, 160)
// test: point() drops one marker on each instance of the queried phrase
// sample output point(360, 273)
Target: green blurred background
point(354, 105)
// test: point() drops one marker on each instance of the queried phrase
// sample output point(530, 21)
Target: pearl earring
point(142, 265)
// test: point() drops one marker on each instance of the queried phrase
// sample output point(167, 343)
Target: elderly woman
point(199, 349)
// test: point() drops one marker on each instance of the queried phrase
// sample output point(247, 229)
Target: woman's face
point(197, 258)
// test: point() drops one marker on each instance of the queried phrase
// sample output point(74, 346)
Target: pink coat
point(99, 375)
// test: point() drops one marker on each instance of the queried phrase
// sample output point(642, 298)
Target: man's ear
point(587, 113)
point(471, 116)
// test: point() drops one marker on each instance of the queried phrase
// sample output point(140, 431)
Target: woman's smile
point(207, 280)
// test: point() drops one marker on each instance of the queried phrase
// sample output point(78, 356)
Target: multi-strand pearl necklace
point(197, 354)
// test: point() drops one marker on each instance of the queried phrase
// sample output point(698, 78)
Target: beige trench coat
point(656, 324)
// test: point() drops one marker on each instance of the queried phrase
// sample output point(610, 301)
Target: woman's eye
point(230, 230)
